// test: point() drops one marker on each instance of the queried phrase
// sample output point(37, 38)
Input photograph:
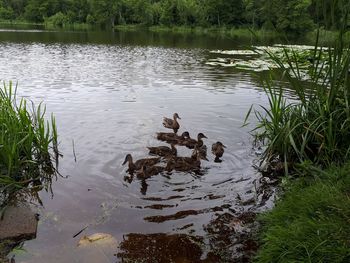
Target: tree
point(105, 11)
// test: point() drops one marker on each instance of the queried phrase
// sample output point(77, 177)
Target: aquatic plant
point(316, 127)
point(28, 143)
point(259, 58)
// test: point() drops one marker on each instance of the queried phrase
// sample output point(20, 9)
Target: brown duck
point(202, 151)
point(181, 166)
point(218, 150)
point(148, 171)
point(172, 123)
point(163, 150)
point(192, 143)
point(172, 137)
point(184, 164)
point(139, 163)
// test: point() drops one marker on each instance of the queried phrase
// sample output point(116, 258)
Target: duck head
point(176, 116)
point(220, 144)
point(201, 136)
point(185, 135)
point(128, 158)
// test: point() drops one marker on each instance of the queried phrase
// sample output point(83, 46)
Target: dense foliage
point(295, 16)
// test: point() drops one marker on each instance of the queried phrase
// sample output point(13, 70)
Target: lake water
point(109, 92)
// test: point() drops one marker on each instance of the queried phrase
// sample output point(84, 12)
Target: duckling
point(181, 166)
point(139, 163)
point(148, 171)
point(191, 143)
point(163, 150)
point(172, 137)
point(184, 163)
point(172, 124)
point(202, 151)
point(218, 150)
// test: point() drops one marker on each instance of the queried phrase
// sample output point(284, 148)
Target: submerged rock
point(18, 223)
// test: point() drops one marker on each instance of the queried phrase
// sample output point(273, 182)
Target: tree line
point(296, 16)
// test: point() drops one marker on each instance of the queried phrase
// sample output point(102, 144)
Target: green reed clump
point(316, 127)
point(26, 143)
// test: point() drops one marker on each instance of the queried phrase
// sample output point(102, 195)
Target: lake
point(109, 92)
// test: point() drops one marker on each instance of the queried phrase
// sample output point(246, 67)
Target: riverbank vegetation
point(309, 139)
point(311, 221)
point(28, 143)
point(315, 128)
point(296, 17)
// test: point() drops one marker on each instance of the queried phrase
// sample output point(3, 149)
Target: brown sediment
point(214, 197)
point(182, 214)
point(163, 248)
point(178, 215)
point(247, 217)
point(186, 226)
point(231, 236)
point(179, 190)
point(158, 199)
point(159, 206)
point(209, 197)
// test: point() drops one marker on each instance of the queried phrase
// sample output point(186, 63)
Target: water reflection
point(20, 34)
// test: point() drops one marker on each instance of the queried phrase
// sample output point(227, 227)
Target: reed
point(316, 127)
point(27, 144)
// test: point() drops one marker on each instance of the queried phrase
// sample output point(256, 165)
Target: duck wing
point(203, 152)
point(189, 143)
point(163, 136)
point(220, 151)
point(160, 150)
point(146, 162)
point(154, 170)
point(168, 123)
point(214, 148)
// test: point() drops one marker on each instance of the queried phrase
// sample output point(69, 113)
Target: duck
point(218, 150)
point(163, 150)
point(139, 163)
point(172, 123)
point(202, 151)
point(192, 143)
point(184, 164)
point(172, 137)
point(148, 171)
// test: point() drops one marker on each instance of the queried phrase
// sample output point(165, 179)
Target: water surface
point(109, 92)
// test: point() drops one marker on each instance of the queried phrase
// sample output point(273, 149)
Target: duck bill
point(224, 146)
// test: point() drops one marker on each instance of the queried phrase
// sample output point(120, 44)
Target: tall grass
point(27, 142)
point(315, 128)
